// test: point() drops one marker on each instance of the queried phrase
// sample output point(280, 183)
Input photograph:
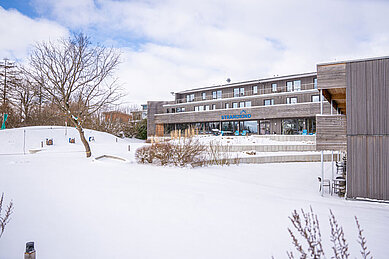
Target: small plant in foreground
point(4, 219)
point(307, 226)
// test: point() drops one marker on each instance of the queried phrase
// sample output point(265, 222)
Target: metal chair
point(326, 183)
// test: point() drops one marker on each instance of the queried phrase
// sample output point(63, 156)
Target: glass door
point(264, 127)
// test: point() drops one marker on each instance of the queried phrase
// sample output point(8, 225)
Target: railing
point(261, 91)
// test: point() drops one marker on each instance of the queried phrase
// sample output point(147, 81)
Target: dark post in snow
point(30, 251)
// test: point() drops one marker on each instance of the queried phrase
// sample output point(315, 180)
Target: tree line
point(70, 81)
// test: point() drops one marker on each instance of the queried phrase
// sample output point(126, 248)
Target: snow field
point(73, 207)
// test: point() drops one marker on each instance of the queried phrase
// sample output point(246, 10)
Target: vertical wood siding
point(368, 129)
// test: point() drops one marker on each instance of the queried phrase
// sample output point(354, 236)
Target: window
point(241, 105)
point(201, 108)
point(204, 96)
point(274, 87)
point(219, 94)
point(234, 105)
point(315, 98)
point(247, 104)
point(214, 95)
point(289, 86)
point(236, 92)
point(241, 91)
point(213, 106)
point(291, 100)
point(315, 83)
point(173, 110)
point(190, 98)
point(226, 105)
point(196, 108)
point(297, 85)
point(269, 102)
point(255, 89)
point(206, 107)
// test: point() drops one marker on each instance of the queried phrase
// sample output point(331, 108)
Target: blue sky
point(170, 45)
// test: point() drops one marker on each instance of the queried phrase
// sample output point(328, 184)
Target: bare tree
point(9, 77)
point(24, 98)
point(77, 76)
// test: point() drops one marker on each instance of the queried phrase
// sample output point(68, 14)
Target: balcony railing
point(261, 91)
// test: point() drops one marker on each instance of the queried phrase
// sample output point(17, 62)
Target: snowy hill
point(28, 139)
point(73, 207)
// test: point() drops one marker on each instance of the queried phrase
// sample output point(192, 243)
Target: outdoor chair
point(236, 133)
point(339, 185)
point(326, 183)
point(244, 133)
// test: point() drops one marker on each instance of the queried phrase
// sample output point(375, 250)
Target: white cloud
point(185, 44)
point(18, 33)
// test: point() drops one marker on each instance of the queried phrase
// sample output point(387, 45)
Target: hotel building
point(352, 116)
point(277, 105)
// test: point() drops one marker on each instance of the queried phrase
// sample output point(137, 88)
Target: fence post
point(24, 141)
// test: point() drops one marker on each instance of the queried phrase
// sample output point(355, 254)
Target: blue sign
point(242, 115)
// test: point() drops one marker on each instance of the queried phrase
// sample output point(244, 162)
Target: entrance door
point(264, 127)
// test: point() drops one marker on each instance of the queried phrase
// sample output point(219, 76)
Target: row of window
point(238, 92)
point(245, 104)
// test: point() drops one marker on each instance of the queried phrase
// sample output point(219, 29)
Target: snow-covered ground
point(73, 207)
point(246, 140)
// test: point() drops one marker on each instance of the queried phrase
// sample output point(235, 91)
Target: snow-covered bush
point(178, 153)
point(307, 226)
point(144, 155)
point(187, 151)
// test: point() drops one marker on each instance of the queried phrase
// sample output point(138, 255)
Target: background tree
point(24, 98)
point(9, 77)
point(77, 76)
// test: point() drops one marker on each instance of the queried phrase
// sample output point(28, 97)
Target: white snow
point(246, 140)
point(73, 207)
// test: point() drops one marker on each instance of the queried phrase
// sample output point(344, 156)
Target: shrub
point(307, 226)
point(186, 151)
point(141, 129)
point(219, 154)
point(4, 219)
point(178, 153)
point(144, 155)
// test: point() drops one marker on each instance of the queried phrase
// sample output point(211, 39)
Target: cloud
point(172, 45)
point(19, 32)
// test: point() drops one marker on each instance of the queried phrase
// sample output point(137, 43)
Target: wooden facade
point(331, 132)
point(360, 88)
point(368, 129)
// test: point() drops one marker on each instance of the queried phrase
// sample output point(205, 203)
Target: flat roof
point(352, 60)
point(264, 80)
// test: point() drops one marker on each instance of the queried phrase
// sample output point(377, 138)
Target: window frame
point(236, 92)
point(271, 102)
point(295, 85)
point(255, 89)
point(316, 95)
point(219, 94)
point(274, 87)
point(289, 100)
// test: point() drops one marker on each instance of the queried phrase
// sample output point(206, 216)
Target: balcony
point(261, 91)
